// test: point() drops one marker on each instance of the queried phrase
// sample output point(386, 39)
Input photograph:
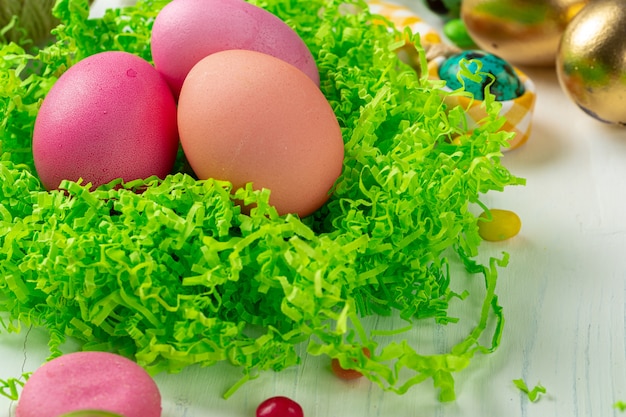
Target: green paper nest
point(171, 273)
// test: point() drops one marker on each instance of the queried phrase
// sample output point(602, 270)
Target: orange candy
point(347, 374)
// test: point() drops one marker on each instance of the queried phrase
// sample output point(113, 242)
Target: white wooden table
point(563, 295)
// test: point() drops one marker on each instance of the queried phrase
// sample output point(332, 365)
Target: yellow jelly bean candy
point(497, 225)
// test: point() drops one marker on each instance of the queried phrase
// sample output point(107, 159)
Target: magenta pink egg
point(111, 115)
point(185, 31)
point(89, 381)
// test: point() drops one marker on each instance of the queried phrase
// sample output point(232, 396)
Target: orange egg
point(245, 116)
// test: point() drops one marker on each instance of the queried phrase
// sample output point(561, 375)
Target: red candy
point(279, 407)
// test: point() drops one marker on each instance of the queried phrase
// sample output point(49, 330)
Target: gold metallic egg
point(591, 60)
point(523, 32)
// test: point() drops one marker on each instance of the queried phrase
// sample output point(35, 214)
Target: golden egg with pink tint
point(523, 32)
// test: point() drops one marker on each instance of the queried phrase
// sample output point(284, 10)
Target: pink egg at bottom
point(90, 413)
point(89, 381)
point(109, 116)
point(245, 116)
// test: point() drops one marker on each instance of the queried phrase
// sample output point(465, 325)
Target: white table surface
point(563, 295)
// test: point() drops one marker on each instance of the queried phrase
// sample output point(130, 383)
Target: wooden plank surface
point(562, 293)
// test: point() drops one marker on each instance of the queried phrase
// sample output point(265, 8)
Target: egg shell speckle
point(109, 116)
point(185, 31)
point(89, 381)
point(245, 116)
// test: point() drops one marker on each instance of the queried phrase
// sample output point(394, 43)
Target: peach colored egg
point(109, 116)
point(185, 31)
point(89, 381)
point(245, 116)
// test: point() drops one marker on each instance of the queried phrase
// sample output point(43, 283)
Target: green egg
point(456, 31)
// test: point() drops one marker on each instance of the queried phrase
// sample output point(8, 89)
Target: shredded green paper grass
point(171, 273)
point(533, 394)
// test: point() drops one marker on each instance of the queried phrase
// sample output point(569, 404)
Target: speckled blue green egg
point(507, 85)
